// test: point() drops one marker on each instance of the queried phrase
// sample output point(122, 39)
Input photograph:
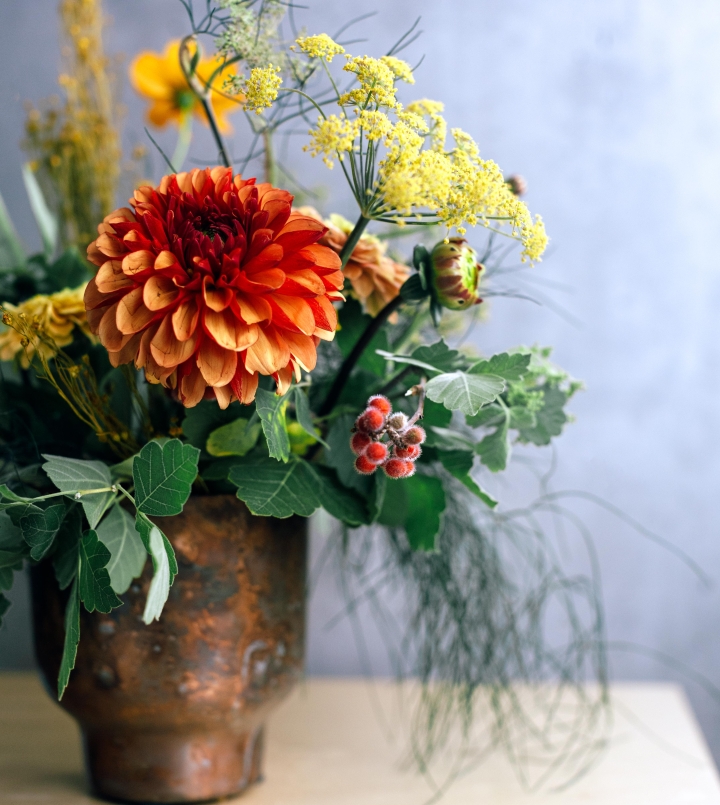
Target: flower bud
point(381, 403)
point(455, 274)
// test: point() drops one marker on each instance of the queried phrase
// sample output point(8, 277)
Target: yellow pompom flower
point(261, 88)
point(54, 318)
point(160, 78)
point(320, 46)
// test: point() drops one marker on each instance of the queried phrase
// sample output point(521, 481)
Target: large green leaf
point(303, 416)
point(426, 503)
point(127, 552)
point(508, 366)
point(459, 463)
point(67, 552)
point(494, 449)
point(44, 218)
point(271, 410)
point(549, 420)
point(272, 489)
point(234, 439)
point(448, 439)
point(11, 560)
point(341, 458)
point(8, 499)
point(40, 527)
point(11, 537)
point(162, 577)
point(203, 419)
point(490, 415)
point(342, 503)
point(95, 589)
point(72, 638)
point(72, 475)
point(163, 476)
point(436, 358)
point(464, 392)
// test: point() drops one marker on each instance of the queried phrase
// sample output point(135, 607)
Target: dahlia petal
point(278, 211)
point(299, 233)
point(127, 352)
point(132, 315)
point(228, 331)
point(244, 384)
point(110, 337)
point(143, 353)
point(191, 388)
point(166, 349)
point(262, 281)
point(94, 255)
point(327, 321)
point(302, 348)
point(268, 354)
point(159, 292)
point(269, 257)
point(134, 240)
point(111, 278)
point(216, 364)
point(139, 261)
point(253, 308)
point(333, 281)
point(93, 297)
point(185, 319)
point(303, 283)
point(322, 256)
point(110, 246)
point(298, 311)
point(223, 394)
point(284, 378)
point(216, 299)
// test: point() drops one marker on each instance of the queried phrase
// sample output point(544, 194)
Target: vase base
point(172, 767)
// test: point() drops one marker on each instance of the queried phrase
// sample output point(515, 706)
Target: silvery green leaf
point(161, 580)
point(39, 528)
point(508, 366)
point(464, 392)
point(72, 475)
point(127, 552)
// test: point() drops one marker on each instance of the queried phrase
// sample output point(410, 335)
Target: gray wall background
point(611, 110)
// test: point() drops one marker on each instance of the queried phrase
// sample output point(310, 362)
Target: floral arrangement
point(216, 335)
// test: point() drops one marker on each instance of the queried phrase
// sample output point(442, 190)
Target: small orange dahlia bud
point(455, 274)
point(377, 452)
point(359, 443)
point(364, 466)
point(370, 421)
point(399, 468)
point(410, 452)
point(210, 281)
point(415, 435)
point(381, 403)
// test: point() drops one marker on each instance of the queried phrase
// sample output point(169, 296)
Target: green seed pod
point(455, 274)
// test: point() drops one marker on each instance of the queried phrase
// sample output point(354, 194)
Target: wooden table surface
point(326, 746)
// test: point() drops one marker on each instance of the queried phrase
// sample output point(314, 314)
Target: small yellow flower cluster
point(333, 135)
point(261, 88)
point(400, 69)
point(375, 125)
point(320, 46)
point(377, 83)
point(52, 317)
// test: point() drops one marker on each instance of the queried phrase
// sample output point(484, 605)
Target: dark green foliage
point(66, 557)
point(163, 476)
point(96, 592)
point(204, 418)
point(72, 638)
point(39, 528)
point(272, 409)
point(353, 323)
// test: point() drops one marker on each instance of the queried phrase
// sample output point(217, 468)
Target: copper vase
point(174, 711)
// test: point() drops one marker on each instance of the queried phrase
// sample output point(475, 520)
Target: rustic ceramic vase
point(174, 711)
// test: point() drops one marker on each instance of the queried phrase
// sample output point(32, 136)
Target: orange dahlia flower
point(159, 77)
point(211, 281)
point(375, 278)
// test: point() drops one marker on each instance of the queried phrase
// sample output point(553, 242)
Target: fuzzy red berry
point(381, 403)
point(398, 468)
point(377, 452)
point(370, 421)
point(410, 452)
point(414, 435)
point(359, 443)
point(364, 466)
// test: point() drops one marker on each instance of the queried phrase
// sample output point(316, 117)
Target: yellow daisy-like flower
point(53, 317)
point(160, 78)
point(320, 46)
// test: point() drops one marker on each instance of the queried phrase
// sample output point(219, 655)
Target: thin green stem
point(183, 141)
point(349, 363)
point(353, 239)
point(210, 115)
point(270, 164)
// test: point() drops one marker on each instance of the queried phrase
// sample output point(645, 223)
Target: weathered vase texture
point(174, 711)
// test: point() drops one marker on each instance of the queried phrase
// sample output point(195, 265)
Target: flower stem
point(349, 363)
point(352, 241)
point(183, 141)
point(270, 165)
point(210, 115)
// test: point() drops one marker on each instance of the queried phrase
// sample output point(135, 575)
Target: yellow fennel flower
point(261, 89)
point(377, 83)
point(320, 46)
point(400, 69)
point(333, 135)
point(53, 318)
point(160, 78)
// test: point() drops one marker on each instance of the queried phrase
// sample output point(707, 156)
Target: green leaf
point(549, 420)
point(341, 458)
point(413, 291)
point(376, 500)
point(521, 417)
point(72, 475)
point(434, 414)
point(465, 392)
point(459, 463)
point(95, 589)
point(440, 356)
point(144, 526)
point(234, 439)
point(72, 638)
point(271, 410)
point(272, 489)
point(4, 607)
point(448, 439)
point(203, 419)
point(11, 559)
point(127, 552)
point(162, 577)
point(426, 503)
point(11, 537)
point(353, 323)
point(12, 254)
point(303, 416)
point(45, 220)
point(124, 470)
point(40, 527)
point(391, 356)
point(489, 415)
point(67, 552)
point(7, 577)
point(342, 503)
point(163, 477)
point(494, 449)
point(508, 366)
point(69, 270)
point(9, 496)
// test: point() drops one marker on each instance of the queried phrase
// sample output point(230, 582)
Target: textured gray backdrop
point(611, 110)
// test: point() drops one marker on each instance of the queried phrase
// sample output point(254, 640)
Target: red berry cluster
point(385, 439)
